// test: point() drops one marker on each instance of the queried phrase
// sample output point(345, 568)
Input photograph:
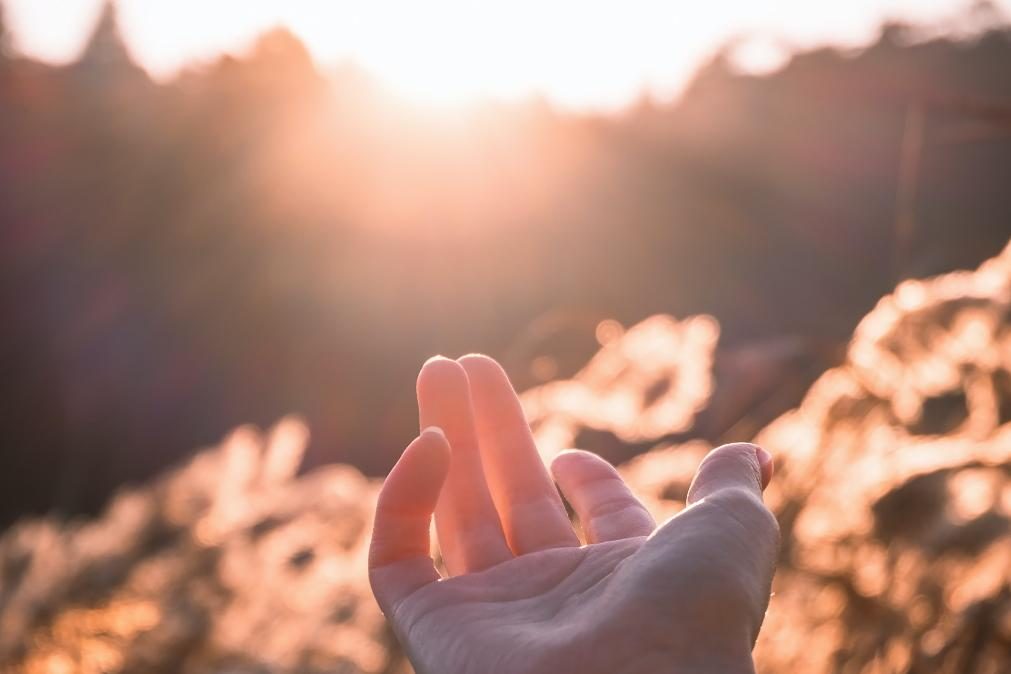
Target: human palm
point(523, 596)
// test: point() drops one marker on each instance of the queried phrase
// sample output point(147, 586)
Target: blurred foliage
point(893, 491)
point(256, 236)
point(225, 565)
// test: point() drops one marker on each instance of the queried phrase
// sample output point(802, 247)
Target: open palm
point(523, 596)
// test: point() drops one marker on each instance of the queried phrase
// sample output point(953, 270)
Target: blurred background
point(674, 227)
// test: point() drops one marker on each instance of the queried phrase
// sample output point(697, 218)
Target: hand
point(523, 596)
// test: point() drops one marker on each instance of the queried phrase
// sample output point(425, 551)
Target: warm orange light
point(439, 52)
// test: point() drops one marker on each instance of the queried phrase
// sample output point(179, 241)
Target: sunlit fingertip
point(435, 431)
point(436, 363)
point(480, 360)
point(441, 376)
point(475, 356)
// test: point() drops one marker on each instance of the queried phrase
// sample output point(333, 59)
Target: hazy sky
point(578, 53)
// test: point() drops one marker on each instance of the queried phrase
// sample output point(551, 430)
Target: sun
point(580, 55)
point(439, 52)
point(445, 52)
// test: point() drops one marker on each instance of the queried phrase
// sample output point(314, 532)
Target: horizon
point(584, 78)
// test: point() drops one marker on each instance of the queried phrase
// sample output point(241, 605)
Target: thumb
point(740, 465)
point(728, 485)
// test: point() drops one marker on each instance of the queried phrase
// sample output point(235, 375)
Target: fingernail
point(764, 458)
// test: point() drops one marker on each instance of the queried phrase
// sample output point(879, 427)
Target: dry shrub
point(230, 564)
point(893, 490)
point(893, 485)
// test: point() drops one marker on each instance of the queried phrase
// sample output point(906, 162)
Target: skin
point(522, 594)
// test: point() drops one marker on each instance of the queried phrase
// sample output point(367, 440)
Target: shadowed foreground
point(893, 491)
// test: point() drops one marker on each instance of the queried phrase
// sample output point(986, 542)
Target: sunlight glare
point(577, 54)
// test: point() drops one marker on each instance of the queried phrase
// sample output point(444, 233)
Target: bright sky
point(579, 53)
